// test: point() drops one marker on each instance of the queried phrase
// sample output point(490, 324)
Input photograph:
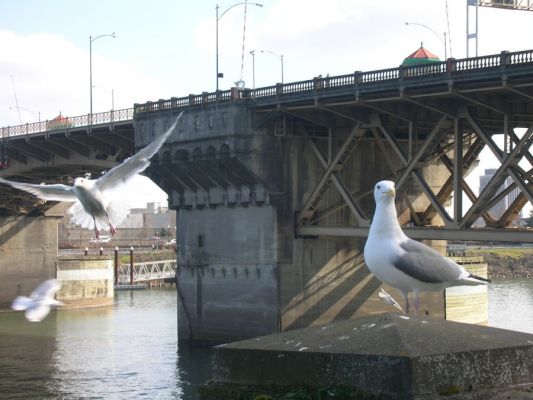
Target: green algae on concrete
point(388, 355)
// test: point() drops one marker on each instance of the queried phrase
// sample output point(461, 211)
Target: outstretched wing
point(134, 164)
point(21, 303)
point(55, 192)
point(46, 289)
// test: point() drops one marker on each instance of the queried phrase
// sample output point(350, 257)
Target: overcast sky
point(166, 48)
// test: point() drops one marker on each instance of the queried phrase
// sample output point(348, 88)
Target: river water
point(131, 351)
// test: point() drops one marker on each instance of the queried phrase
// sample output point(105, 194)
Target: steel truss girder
point(455, 228)
point(509, 167)
point(410, 166)
point(426, 233)
point(455, 182)
point(341, 187)
point(336, 164)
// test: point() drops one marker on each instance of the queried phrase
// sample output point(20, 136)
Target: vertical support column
point(116, 266)
point(411, 145)
point(330, 144)
point(131, 265)
point(505, 133)
point(458, 171)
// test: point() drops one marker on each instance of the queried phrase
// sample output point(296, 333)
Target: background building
point(499, 208)
point(142, 227)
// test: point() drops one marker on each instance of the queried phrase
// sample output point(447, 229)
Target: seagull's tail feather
point(469, 279)
point(117, 212)
point(479, 278)
point(80, 217)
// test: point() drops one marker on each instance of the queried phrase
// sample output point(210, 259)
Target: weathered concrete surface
point(28, 252)
point(228, 286)
point(85, 282)
point(388, 354)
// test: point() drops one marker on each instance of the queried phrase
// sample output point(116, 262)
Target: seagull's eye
point(379, 187)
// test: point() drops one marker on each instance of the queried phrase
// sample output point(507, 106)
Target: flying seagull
point(38, 305)
point(403, 263)
point(93, 206)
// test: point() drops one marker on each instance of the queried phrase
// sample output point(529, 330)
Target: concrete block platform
point(389, 355)
point(85, 281)
point(138, 286)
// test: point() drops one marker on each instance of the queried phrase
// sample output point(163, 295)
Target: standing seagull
point(37, 306)
point(403, 263)
point(93, 207)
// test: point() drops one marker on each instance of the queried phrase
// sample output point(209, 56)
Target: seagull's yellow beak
point(391, 192)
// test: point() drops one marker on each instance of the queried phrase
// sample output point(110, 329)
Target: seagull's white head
point(80, 182)
point(384, 191)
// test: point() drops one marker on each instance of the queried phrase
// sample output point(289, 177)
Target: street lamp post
point(91, 40)
point(253, 67)
point(220, 75)
point(436, 34)
point(278, 56)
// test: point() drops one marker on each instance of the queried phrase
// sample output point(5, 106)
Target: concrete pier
point(388, 355)
point(239, 190)
point(85, 282)
point(28, 252)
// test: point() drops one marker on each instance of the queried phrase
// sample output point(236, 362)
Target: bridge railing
point(65, 123)
point(358, 78)
point(147, 271)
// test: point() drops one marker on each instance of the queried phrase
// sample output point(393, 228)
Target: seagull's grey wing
point(21, 303)
point(136, 163)
point(46, 289)
point(425, 264)
point(37, 312)
point(55, 192)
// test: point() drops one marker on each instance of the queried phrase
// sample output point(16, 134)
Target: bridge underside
point(59, 156)
point(414, 126)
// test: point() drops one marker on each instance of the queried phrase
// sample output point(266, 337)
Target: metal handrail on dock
point(147, 271)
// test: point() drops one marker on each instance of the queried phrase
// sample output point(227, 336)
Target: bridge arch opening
point(181, 155)
point(211, 152)
point(197, 153)
point(225, 151)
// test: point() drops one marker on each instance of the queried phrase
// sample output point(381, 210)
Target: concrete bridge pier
point(28, 251)
point(240, 189)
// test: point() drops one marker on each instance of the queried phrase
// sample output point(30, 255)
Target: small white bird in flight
point(38, 305)
point(93, 206)
point(403, 263)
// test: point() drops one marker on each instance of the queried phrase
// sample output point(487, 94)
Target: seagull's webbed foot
point(112, 230)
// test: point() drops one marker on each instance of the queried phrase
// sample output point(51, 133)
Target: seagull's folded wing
point(55, 192)
point(425, 264)
point(134, 164)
